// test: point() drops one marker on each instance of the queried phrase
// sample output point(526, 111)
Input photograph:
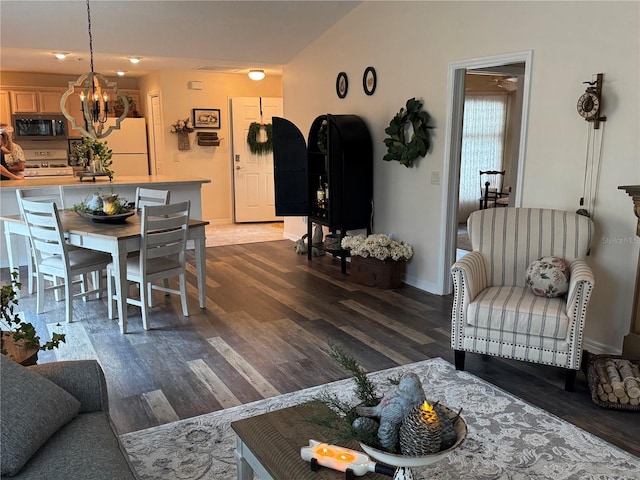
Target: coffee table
point(269, 445)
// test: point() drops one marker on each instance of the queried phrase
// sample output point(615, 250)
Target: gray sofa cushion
point(86, 449)
point(33, 409)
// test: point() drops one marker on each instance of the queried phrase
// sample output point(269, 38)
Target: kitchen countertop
point(70, 182)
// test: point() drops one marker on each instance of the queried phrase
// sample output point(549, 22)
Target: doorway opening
point(479, 79)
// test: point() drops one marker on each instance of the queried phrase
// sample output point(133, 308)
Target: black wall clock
point(588, 105)
point(342, 85)
point(590, 102)
point(369, 80)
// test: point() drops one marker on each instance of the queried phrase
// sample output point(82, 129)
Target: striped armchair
point(495, 313)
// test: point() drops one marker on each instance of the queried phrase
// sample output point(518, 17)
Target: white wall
point(410, 44)
point(177, 102)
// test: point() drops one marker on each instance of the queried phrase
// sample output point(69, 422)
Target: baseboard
point(600, 348)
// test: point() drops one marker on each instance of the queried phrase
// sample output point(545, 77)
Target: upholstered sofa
point(55, 423)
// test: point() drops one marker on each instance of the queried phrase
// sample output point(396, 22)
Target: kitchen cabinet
point(330, 180)
point(36, 101)
point(5, 107)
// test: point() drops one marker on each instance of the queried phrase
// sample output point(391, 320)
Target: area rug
point(507, 439)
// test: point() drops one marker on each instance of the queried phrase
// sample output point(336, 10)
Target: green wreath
point(256, 147)
point(418, 146)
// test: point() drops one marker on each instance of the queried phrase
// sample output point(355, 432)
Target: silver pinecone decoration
point(366, 424)
point(421, 433)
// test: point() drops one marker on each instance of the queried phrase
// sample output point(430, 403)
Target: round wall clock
point(588, 105)
point(342, 85)
point(369, 80)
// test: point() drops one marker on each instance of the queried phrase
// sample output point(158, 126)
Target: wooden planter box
point(377, 273)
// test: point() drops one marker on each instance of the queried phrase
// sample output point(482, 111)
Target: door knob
point(238, 167)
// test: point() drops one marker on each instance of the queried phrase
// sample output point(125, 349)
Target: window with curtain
point(482, 146)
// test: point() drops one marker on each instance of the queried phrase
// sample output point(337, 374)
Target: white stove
point(46, 163)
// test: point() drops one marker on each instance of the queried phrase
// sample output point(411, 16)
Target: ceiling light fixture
point(121, 73)
point(256, 74)
point(94, 91)
point(60, 55)
point(134, 59)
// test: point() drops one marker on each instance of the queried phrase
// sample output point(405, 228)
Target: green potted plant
point(97, 154)
point(19, 338)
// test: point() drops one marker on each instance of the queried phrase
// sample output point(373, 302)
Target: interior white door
point(253, 185)
point(157, 137)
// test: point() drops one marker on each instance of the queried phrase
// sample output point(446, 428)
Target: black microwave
point(39, 127)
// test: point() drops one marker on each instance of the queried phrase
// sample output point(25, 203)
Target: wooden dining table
point(119, 240)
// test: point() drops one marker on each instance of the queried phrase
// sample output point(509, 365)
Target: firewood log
point(614, 378)
point(630, 381)
point(602, 376)
point(612, 398)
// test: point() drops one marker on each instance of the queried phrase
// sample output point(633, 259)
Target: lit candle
point(338, 458)
point(105, 97)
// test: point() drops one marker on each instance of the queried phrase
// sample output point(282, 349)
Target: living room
point(411, 45)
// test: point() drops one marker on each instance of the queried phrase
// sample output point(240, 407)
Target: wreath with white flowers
point(256, 147)
point(398, 148)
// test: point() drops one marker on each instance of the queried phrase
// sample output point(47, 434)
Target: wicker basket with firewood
point(615, 382)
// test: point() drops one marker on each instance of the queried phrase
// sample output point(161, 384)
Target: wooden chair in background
point(149, 196)
point(45, 194)
point(492, 189)
point(55, 258)
point(163, 231)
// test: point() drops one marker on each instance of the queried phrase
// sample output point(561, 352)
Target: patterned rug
point(507, 439)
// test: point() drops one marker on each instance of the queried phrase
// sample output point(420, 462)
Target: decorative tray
point(104, 218)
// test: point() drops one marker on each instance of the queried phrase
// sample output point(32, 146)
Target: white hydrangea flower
point(378, 246)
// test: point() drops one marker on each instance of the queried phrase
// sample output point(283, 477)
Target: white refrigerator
point(129, 145)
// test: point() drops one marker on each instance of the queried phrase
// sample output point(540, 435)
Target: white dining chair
point(150, 196)
point(44, 194)
point(55, 258)
point(163, 231)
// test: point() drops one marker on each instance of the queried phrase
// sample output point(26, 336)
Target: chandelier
point(94, 92)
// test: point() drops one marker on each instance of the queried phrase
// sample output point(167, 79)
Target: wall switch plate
point(435, 178)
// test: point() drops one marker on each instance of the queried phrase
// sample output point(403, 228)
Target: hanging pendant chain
point(90, 36)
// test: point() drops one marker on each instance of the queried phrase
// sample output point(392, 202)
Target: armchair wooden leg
point(570, 380)
point(459, 359)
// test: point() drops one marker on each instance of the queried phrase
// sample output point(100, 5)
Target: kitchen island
point(181, 187)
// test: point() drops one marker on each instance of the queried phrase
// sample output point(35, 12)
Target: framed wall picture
point(342, 85)
point(206, 118)
point(369, 80)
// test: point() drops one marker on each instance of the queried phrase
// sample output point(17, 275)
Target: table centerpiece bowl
point(405, 462)
point(105, 209)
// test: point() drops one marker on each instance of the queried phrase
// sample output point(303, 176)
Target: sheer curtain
point(482, 146)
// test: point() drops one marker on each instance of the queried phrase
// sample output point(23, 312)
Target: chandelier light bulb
point(256, 74)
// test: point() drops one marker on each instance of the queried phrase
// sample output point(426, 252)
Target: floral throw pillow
point(548, 277)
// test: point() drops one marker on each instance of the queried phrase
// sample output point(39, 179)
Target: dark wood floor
point(270, 315)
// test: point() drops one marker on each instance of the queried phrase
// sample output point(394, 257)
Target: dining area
point(85, 250)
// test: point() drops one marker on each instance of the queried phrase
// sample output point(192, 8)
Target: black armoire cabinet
point(330, 179)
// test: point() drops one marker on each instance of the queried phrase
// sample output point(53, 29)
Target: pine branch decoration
point(364, 389)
